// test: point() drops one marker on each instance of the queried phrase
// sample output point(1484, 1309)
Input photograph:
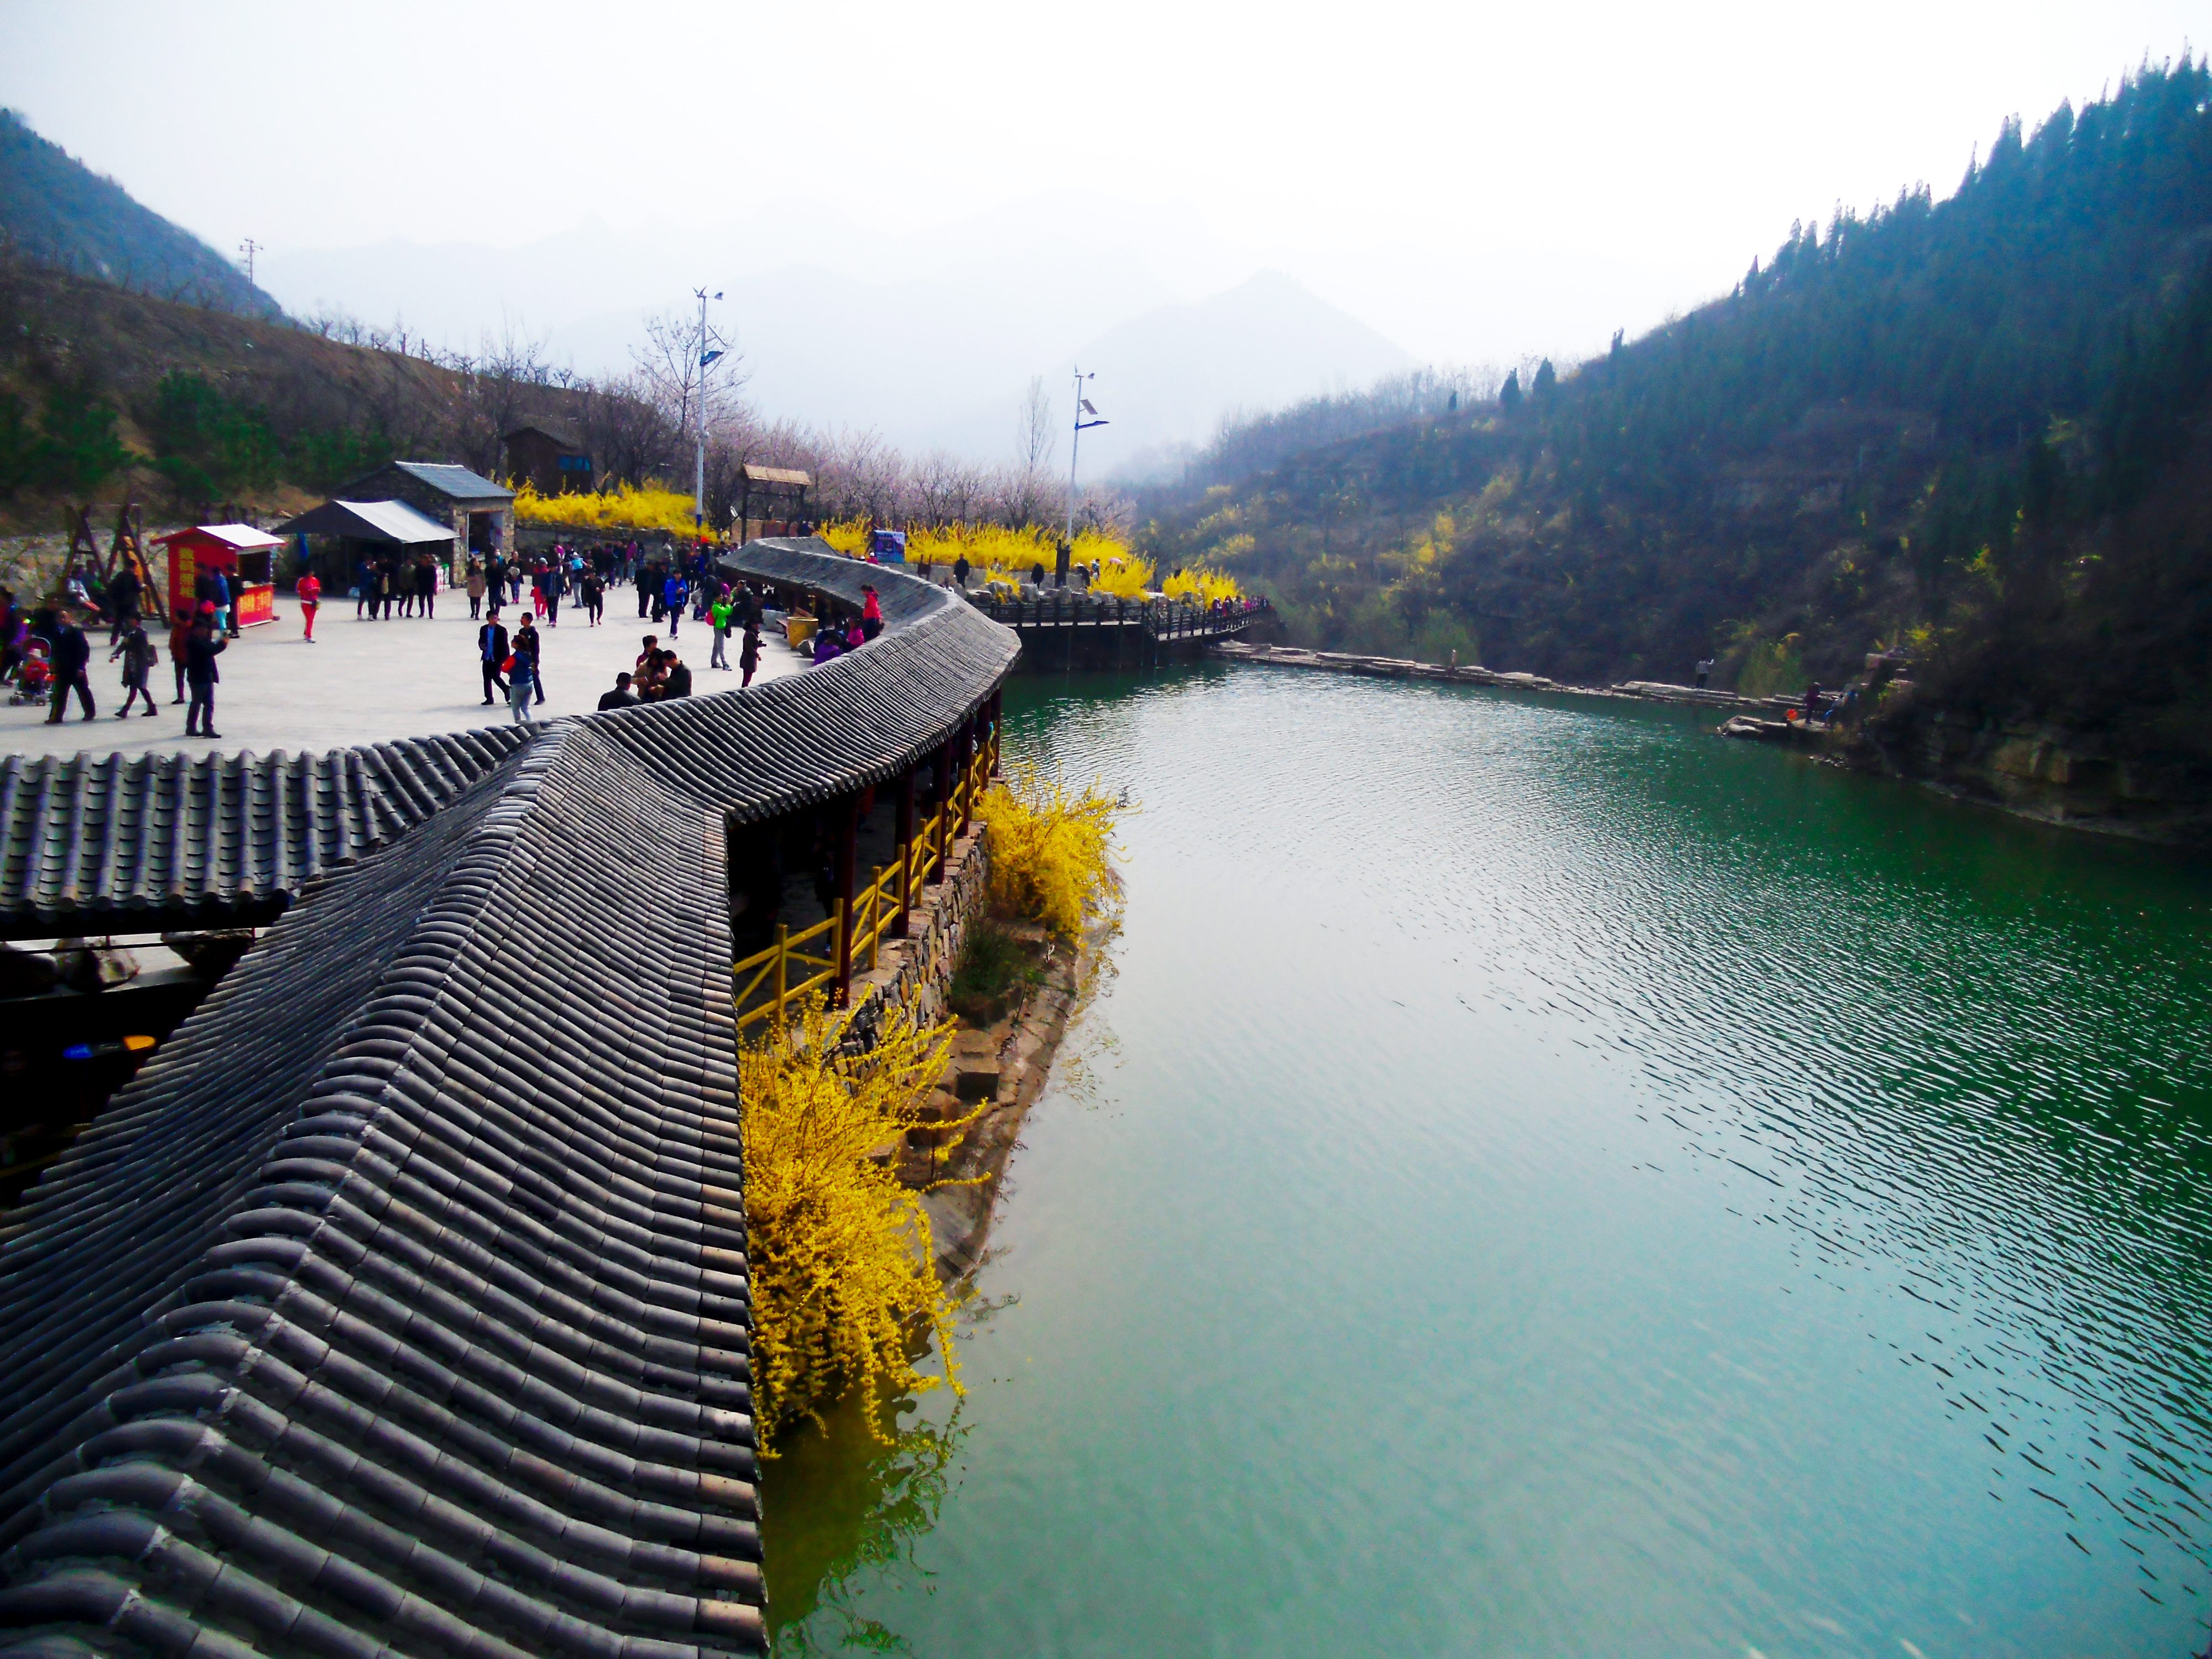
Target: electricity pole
point(249, 247)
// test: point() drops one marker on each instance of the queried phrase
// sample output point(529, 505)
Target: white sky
point(1476, 180)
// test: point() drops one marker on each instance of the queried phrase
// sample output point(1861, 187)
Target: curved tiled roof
point(89, 842)
point(399, 1304)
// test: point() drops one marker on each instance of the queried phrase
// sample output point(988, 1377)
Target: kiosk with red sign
point(240, 552)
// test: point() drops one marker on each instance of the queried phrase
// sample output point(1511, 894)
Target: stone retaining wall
point(915, 973)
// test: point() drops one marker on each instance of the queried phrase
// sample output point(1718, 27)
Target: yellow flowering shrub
point(654, 507)
point(996, 552)
point(1202, 585)
point(848, 536)
point(842, 1258)
point(1051, 857)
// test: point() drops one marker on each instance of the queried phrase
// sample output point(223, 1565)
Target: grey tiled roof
point(400, 1305)
point(458, 482)
point(90, 842)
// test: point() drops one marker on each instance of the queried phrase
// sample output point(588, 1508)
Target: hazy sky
point(1475, 181)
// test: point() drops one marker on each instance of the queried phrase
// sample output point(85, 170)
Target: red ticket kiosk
point(242, 553)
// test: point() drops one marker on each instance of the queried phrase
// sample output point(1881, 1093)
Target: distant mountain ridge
point(932, 344)
point(59, 212)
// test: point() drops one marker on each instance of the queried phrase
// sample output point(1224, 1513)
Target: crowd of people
point(46, 655)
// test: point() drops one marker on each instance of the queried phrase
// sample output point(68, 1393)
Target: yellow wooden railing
point(778, 960)
point(770, 990)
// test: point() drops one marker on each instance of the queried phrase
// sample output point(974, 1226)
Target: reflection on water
point(837, 1500)
point(1568, 1184)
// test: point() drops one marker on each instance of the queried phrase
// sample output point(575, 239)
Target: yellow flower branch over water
point(1052, 850)
point(844, 1281)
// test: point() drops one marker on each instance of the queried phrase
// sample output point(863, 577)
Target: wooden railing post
point(848, 827)
point(944, 807)
point(905, 834)
point(782, 969)
point(966, 741)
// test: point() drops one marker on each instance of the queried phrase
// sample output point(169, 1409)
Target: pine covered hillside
point(58, 212)
point(1975, 427)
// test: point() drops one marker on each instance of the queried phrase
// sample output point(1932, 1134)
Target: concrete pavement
point(368, 682)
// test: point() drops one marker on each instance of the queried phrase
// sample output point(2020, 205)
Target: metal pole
point(699, 477)
point(1074, 443)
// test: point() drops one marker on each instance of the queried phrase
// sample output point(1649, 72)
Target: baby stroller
point(34, 675)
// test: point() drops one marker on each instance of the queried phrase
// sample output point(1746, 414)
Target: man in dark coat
point(71, 658)
point(491, 650)
point(201, 674)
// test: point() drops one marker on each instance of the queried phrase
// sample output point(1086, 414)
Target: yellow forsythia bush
point(653, 507)
point(995, 552)
point(1051, 857)
point(841, 1255)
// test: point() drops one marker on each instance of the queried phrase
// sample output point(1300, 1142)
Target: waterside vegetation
point(1975, 428)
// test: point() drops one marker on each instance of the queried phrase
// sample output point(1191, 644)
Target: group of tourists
point(44, 650)
point(390, 579)
point(658, 676)
point(833, 639)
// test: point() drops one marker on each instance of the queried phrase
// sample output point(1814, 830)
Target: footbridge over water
point(399, 1303)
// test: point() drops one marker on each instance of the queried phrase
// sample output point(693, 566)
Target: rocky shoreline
point(2035, 770)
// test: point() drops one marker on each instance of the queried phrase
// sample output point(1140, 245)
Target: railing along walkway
point(767, 990)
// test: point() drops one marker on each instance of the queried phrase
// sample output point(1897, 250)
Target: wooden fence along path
point(766, 988)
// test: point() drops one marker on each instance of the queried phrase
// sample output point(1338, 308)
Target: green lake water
point(1540, 1180)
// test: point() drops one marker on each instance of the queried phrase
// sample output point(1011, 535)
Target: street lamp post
point(1083, 407)
point(706, 356)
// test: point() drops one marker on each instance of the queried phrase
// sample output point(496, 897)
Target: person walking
point(960, 572)
point(492, 649)
point(137, 652)
point(70, 661)
point(180, 639)
point(1704, 671)
point(594, 595)
point(309, 592)
point(387, 574)
point(717, 614)
point(476, 590)
point(672, 594)
point(219, 585)
point(520, 681)
point(122, 598)
point(364, 589)
point(872, 613)
point(557, 579)
point(202, 674)
point(426, 587)
point(529, 645)
point(749, 653)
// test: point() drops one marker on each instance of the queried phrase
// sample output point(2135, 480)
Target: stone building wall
point(915, 973)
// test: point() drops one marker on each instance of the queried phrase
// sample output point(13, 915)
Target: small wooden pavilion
point(774, 488)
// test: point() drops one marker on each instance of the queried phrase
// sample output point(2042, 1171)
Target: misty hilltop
point(59, 212)
point(932, 352)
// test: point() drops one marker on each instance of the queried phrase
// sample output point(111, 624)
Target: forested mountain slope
point(1976, 428)
point(59, 212)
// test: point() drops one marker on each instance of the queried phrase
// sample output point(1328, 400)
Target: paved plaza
point(368, 682)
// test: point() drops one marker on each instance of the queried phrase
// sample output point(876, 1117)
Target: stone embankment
point(2038, 770)
point(1403, 668)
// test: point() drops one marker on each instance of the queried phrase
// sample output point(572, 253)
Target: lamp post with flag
point(710, 350)
point(1083, 407)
